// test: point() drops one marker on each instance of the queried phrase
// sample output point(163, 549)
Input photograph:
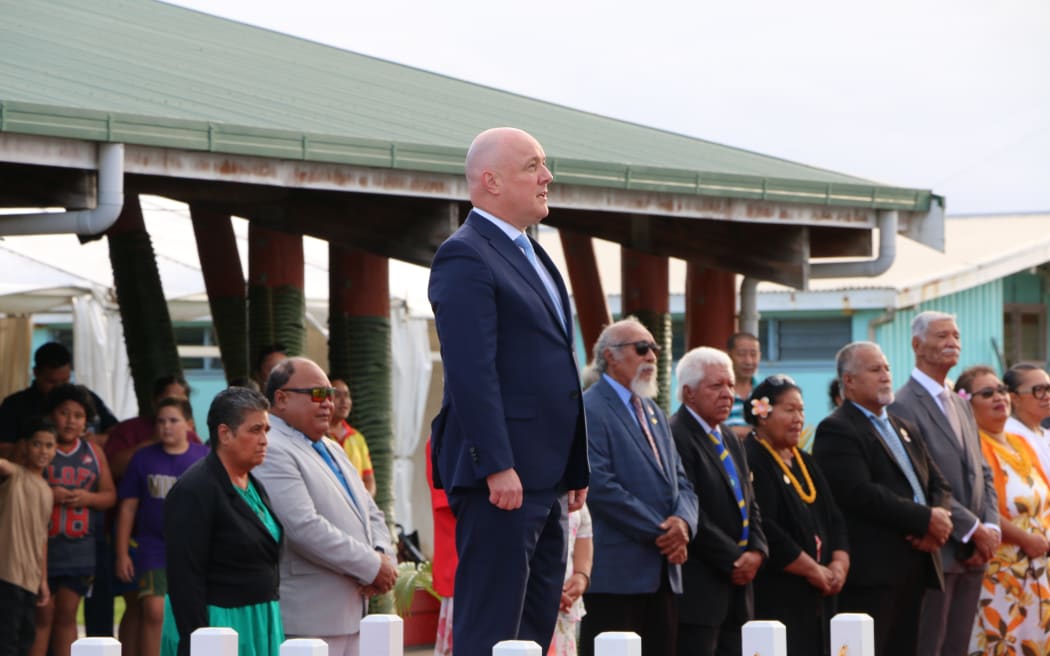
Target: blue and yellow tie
point(734, 480)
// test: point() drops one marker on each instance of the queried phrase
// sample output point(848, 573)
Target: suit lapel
point(630, 425)
point(707, 447)
point(517, 260)
point(863, 424)
point(935, 416)
point(301, 442)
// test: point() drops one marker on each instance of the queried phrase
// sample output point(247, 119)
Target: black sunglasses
point(641, 348)
point(317, 394)
point(989, 392)
point(1038, 391)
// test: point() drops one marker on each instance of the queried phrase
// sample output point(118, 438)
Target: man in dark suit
point(947, 424)
point(893, 497)
point(509, 445)
point(729, 545)
point(642, 505)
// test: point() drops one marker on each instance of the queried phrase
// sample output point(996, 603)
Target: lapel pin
point(787, 480)
point(904, 434)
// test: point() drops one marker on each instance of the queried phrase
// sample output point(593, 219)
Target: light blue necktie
point(327, 457)
point(889, 436)
point(525, 245)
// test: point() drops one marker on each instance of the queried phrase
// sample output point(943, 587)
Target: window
point(198, 351)
point(794, 340)
point(1024, 333)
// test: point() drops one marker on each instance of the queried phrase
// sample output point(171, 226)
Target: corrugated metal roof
point(978, 249)
point(144, 72)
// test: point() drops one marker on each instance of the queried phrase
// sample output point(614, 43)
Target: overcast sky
point(949, 96)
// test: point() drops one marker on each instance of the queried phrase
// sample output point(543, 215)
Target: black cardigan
point(218, 551)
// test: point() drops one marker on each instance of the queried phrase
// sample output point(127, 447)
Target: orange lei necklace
point(808, 497)
point(1014, 455)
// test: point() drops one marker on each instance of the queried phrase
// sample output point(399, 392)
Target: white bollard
point(382, 635)
point(305, 647)
point(764, 638)
point(618, 643)
point(515, 648)
point(96, 647)
point(853, 634)
point(213, 641)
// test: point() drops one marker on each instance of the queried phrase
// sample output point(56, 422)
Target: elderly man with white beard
point(642, 505)
point(731, 546)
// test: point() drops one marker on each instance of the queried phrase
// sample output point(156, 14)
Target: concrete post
point(213, 641)
point(853, 634)
point(764, 638)
point(96, 647)
point(305, 647)
point(516, 648)
point(618, 643)
point(382, 635)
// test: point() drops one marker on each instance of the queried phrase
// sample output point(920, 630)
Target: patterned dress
point(1013, 615)
point(568, 625)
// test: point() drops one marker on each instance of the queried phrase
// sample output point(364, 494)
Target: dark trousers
point(98, 604)
point(703, 640)
point(895, 610)
point(511, 569)
point(17, 619)
point(653, 616)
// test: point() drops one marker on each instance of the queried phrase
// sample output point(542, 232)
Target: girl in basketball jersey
point(82, 487)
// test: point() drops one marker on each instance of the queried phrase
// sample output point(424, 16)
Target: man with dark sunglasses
point(337, 551)
point(947, 423)
point(642, 504)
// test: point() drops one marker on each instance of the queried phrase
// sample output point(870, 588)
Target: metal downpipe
point(887, 224)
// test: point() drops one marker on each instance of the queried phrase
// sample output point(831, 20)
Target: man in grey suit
point(642, 505)
point(951, 436)
point(338, 549)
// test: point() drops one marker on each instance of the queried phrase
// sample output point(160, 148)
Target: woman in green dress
point(223, 540)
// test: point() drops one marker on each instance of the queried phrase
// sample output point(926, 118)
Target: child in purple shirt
point(150, 474)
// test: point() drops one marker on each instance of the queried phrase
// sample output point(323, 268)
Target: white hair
point(691, 368)
point(921, 323)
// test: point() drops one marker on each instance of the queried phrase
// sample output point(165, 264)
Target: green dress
point(258, 626)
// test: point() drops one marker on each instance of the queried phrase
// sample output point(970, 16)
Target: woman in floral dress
point(1013, 615)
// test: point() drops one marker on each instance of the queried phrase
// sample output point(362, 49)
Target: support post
point(853, 634)
point(592, 308)
point(710, 306)
point(646, 296)
point(276, 300)
point(382, 635)
point(764, 638)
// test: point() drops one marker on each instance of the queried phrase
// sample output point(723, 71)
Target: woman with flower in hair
point(808, 550)
point(1013, 615)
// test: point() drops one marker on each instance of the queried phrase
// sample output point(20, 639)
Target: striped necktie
point(734, 481)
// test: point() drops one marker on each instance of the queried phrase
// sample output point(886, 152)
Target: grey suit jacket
point(331, 545)
point(973, 489)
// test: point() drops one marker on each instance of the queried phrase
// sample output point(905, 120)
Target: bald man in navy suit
point(509, 445)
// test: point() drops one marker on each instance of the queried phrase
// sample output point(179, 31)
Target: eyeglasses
point(989, 392)
point(1038, 391)
point(641, 348)
point(317, 394)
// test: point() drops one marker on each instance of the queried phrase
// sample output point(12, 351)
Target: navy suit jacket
point(512, 391)
point(876, 499)
point(631, 494)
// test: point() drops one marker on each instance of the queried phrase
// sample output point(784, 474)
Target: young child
point(25, 507)
point(150, 474)
point(82, 487)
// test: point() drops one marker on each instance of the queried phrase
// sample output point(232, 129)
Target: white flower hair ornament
point(761, 407)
